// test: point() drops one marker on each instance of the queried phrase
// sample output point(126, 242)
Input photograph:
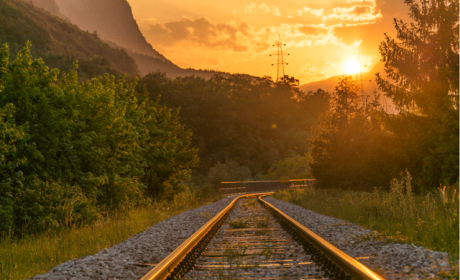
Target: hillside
point(368, 81)
point(148, 64)
point(114, 23)
point(58, 42)
point(112, 19)
point(330, 83)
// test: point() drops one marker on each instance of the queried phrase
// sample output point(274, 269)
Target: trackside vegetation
point(38, 253)
point(399, 215)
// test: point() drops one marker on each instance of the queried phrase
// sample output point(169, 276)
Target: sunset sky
point(323, 37)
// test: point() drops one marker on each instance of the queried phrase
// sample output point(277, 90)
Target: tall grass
point(32, 255)
point(430, 220)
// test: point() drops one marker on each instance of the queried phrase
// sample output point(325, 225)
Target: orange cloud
point(239, 37)
point(253, 8)
point(316, 12)
point(355, 13)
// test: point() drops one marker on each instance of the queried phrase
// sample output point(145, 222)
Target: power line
point(280, 59)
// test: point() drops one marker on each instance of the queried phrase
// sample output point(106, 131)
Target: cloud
point(315, 12)
point(253, 8)
point(367, 2)
point(354, 13)
point(238, 37)
point(313, 29)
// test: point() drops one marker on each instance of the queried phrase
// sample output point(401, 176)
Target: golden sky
point(323, 37)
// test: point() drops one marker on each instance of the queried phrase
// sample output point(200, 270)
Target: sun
point(352, 66)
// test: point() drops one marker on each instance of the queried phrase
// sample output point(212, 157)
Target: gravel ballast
point(390, 260)
point(130, 259)
point(124, 260)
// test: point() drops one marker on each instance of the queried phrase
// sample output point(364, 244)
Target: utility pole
point(280, 59)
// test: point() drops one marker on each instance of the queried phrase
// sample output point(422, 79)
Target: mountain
point(329, 84)
point(148, 64)
point(112, 19)
point(58, 42)
point(113, 22)
point(369, 85)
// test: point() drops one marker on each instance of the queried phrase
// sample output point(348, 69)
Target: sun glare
point(352, 67)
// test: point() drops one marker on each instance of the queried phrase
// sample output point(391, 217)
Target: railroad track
point(250, 238)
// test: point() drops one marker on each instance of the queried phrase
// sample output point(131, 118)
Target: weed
point(261, 232)
point(205, 215)
point(267, 250)
point(263, 223)
point(238, 223)
point(233, 253)
point(252, 203)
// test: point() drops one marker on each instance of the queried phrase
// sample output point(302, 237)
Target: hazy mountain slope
point(368, 82)
point(148, 64)
point(114, 23)
point(330, 83)
point(112, 19)
point(58, 42)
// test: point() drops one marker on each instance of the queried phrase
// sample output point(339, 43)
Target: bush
point(69, 150)
point(225, 172)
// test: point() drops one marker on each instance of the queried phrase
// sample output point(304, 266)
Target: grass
point(263, 223)
point(252, 203)
point(267, 250)
point(32, 255)
point(238, 223)
point(234, 253)
point(261, 232)
point(430, 220)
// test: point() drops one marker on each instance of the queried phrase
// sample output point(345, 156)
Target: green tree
point(346, 146)
point(251, 121)
point(296, 167)
point(422, 65)
point(69, 150)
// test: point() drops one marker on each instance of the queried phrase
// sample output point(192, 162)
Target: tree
point(422, 65)
point(345, 146)
point(69, 150)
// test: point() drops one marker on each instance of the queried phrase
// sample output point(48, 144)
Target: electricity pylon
point(280, 59)
point(361, 80)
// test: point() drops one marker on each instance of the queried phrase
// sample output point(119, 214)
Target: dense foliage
point(251, 121)
point(349, 147)
point(59, 42)
point(423, 67)
point(69, 150)
point(358, 146)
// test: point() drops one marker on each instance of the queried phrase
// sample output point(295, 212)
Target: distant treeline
point(253, 122)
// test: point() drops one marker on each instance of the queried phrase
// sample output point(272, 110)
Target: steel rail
point(334, 256)
point(170, 263)
point(341, 264)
